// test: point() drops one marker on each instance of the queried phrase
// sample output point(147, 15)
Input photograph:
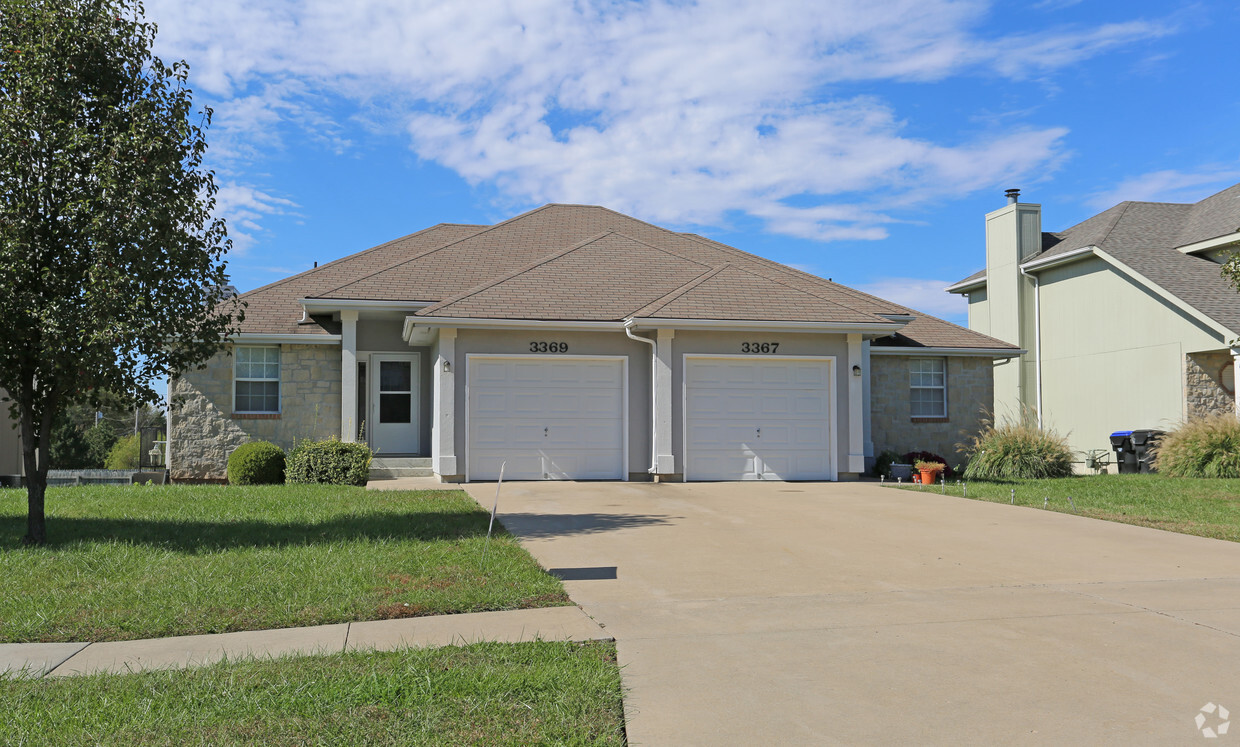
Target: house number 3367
point(759, 347)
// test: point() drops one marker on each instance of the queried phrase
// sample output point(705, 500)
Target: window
point(257, 377)
point(928, 387)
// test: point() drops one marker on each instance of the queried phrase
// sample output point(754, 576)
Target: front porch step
point(390, 468)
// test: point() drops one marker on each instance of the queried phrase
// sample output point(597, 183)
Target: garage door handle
point(545, 432)
point(759, 433)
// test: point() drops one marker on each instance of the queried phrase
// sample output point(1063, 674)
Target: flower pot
point(929, 476)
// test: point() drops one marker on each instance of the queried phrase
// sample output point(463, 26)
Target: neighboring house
point(10, 440)
point(575, 342)
point(1125, 318)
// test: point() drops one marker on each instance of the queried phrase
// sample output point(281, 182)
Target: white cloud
point(676, 112)
point(1168, 185)
point(923, 295)
point(242, 207)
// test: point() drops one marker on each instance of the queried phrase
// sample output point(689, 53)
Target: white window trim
point(279, 382)
point(940, 388)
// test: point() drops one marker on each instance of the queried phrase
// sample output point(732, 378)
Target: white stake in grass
point(494, 508)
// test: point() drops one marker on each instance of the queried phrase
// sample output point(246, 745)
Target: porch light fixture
point(856, 370)
point(447, 366)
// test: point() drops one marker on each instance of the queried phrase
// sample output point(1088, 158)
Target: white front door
point(758, 418)
point(550, 418)
point(394, 403)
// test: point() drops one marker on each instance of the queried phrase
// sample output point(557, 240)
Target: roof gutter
point(285, 339)
point(962, 352)
point(744, 325)
point(965, 286)
point(1059, 259)
point(328, 305)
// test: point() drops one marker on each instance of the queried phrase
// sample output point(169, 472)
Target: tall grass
point(1017, 451)
point(1208, 447)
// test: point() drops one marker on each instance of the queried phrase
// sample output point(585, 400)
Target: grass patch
point(143, 562)
point(489, 693)
point(1204, 507)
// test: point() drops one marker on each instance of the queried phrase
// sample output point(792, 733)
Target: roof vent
point(1012, 195)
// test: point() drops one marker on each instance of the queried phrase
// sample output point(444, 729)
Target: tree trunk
point(36, 441)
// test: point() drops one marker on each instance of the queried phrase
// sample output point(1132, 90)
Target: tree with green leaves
point(111, 262)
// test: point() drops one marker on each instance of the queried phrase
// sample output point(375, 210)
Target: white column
point(664, 461)
point(866, 396)
point(348, 376)
point(444, 378)
point(1235, 376)
point(856, 406)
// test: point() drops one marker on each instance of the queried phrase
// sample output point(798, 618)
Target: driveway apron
point(809, 613)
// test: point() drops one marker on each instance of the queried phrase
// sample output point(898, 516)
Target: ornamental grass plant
point(1018, 450)
point(1206, 447)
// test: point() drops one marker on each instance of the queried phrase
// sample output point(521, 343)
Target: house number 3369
point(759, 347)
point(548, 347)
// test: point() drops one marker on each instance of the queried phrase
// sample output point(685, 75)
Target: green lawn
point(490, 693)
point(139, 562)
point(1205, 507)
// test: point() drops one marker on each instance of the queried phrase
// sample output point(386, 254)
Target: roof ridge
point(355, 255)
point(667, 298)
point(1114, 222)
point(488, 229)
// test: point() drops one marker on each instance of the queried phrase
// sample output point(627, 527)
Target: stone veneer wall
point(1203, 386)
point(970, 391)
point(204, 430)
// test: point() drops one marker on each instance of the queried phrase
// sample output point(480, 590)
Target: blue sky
point(859, 140)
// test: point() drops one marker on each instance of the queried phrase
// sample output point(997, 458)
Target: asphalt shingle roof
point(576, 262)
point(1146, 237)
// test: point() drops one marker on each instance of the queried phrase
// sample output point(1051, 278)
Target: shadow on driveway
point(545, 526)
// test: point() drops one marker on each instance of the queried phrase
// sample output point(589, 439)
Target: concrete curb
point(179, 652)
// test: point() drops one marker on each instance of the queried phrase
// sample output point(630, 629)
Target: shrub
point(1017, 451)
point(124, 453)
point(99, 442)
point(1209, 447)
point(913, 457)
point(333, 462)
point(256, 463)
point(883, 462)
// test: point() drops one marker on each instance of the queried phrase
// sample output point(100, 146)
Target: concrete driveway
point(848, 613)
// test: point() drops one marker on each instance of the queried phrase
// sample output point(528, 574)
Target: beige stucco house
point(574, 342)
point(1125, 318)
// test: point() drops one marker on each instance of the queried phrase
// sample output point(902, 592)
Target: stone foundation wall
point(204, 430)
point(970, 392)
point(1204, 389)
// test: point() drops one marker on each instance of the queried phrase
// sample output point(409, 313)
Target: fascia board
point(467, 323)
point(976, 352)
point(1214, 243)
point(881, 328)
point(965, 286)
point(1059, 259)
point(260, 339)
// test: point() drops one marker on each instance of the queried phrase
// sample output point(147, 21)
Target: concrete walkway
point(65, 659)
point(774, 613)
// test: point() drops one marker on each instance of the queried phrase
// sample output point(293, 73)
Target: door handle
point(546, 432)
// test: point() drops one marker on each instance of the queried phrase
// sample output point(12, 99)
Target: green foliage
point(124, 453)
point(99, 442)
point(1231, 269)
point(1017, 451)
point(256, 463)
point(332, 462)
point(108, 247)
point(1208, 447)
point(883, 462)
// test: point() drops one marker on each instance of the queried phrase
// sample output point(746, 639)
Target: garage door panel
point(764, 418)
point(550, 418)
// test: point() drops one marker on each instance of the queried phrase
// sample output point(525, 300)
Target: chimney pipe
point(1012, 195)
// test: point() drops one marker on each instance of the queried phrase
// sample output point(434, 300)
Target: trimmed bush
point(332, 462)
point(256, 463)
point(1209, 447)
point(1017, 451)
point(124, 454)
point(883, 462)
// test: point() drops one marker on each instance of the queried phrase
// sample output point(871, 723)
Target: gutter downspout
point(654, 449)
point(1037, 338)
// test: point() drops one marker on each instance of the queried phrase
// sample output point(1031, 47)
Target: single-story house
point(574, 342)
point(1125, 318)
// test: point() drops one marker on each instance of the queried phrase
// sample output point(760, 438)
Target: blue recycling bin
point(1125, 452)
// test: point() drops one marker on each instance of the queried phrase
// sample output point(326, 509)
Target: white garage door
point(549, 418)
point(757, 419)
